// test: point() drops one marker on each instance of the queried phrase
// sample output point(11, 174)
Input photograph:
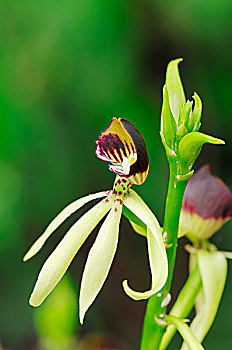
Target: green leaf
point(100, 259)
point(175, 88)
point(185, 331)
point(168, 124)
point(58, 262)
point(61, 217)
point(156, 249)
point(190, 147)
point(213, 270)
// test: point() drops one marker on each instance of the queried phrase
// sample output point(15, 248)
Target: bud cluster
point(180, 122)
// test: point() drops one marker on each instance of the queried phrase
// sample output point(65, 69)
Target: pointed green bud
point(195, 115)
point(175, 88)
point(185, 112)
point(168, 124)
point(190, 147)
point(184, 119)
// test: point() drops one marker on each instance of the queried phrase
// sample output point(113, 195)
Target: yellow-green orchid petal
point(227, 255)
point(63, 215)
point(199, 300)
point(100, 259)
point(138, 229)
point(156, 248)
point(213, 270)
point(58, 262)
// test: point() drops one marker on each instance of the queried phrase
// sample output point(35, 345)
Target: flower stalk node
point(184, 177)
point(160, 321)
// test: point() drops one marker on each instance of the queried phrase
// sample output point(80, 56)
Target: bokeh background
point(66, 68)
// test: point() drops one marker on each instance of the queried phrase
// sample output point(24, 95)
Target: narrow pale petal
point(156, 248)
point(63, 215)
point(58, 262)
point(185, 331)
point(213, 270)
point(100, 259)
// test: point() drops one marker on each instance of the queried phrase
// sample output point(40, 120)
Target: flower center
point(121, 186)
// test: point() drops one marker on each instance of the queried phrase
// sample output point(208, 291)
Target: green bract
point(190, 147)
point(168, 124)
point(175, 88)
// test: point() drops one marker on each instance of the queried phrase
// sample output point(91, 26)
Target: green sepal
point(175, 88)
point(190, 147)
point(168, 124)
point(195, 115)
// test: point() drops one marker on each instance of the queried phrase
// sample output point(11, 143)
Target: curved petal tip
point(137, 295)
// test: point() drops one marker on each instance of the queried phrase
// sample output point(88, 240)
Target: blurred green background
point(66, 68)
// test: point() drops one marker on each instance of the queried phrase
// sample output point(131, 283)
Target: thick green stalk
point(183, 304)
point(152, 330)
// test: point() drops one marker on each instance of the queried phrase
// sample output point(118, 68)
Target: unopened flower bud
point(195, 115)
point(207, 205)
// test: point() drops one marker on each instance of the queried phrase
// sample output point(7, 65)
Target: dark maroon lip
point(142, 163)
point(208, 196)
point(120, 140)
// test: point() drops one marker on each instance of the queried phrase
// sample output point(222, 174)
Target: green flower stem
point(152, 330)
point(183, 304)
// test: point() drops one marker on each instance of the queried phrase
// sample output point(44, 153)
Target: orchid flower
point(122, 145)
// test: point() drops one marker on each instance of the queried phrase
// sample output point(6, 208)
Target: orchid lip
point(123, 146)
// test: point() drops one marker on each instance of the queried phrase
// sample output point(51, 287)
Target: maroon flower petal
point(123, 146)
